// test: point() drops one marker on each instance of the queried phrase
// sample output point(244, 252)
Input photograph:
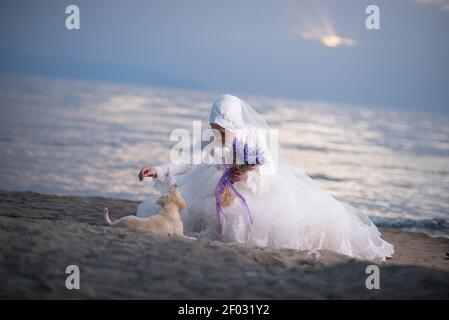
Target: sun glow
point(326, 35)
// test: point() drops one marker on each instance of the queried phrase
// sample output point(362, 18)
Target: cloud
point(442, 4)
point(319, 26)
point(324, 34)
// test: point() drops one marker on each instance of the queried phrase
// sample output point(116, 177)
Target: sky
point(309, 50)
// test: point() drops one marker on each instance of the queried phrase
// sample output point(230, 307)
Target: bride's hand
point(237, 175)
point(147, 172)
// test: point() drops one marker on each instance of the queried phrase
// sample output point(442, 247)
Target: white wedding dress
point(288, 209)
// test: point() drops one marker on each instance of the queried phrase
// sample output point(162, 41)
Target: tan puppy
point(166, 223)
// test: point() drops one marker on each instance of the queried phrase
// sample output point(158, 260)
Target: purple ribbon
point(224, 182)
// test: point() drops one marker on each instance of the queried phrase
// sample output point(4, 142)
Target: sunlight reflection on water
point(86, 138)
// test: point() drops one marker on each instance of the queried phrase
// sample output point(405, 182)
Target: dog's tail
point(106, 216)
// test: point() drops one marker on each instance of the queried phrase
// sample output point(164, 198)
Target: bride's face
point(224, 134)
point(217, 127)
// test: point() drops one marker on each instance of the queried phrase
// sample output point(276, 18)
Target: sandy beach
point(41, 234)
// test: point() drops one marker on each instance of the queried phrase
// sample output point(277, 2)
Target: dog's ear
point(173, 189)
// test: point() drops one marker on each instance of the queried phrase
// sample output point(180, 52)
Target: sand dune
point(41, 234)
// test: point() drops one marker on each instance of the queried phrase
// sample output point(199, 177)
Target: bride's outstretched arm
point(163, 171)
point(171, 170)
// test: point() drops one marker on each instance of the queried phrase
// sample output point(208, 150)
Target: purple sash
point(221, 186)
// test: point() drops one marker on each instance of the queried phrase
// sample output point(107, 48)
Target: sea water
point(72, 137)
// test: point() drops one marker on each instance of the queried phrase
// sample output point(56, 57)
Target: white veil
point(236, 116)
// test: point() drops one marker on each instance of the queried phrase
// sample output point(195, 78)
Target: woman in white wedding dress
point(275, 205)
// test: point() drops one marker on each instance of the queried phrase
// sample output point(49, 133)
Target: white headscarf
point(227, 113)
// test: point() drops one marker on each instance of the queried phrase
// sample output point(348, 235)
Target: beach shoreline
point(42, 234)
